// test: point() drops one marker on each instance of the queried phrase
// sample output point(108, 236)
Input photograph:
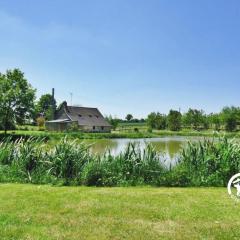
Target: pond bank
point(115, 134)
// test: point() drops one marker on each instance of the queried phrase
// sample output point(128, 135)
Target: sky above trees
point(126, 56)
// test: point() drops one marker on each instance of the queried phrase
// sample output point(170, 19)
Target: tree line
point(18, 105)
point(228, 119)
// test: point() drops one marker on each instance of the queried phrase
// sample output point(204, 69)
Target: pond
point(169, 146)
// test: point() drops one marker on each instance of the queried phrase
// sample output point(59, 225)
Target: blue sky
point(126, 56)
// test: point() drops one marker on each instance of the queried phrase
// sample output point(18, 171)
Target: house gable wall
point(61, 114)
point(96, 129)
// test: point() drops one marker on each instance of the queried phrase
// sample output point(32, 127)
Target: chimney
point(53, 104)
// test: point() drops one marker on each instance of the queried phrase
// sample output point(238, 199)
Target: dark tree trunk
point(5, 123)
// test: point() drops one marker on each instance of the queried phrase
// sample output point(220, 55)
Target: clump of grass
point(130, 167)
point(28, 158)
point(209, 162)
point(67, 160)
point(7, 151)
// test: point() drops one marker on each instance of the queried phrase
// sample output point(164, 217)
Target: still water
point(168, 146)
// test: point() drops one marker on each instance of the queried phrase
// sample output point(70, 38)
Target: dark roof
point(86, 116)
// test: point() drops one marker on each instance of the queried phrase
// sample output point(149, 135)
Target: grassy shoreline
point(44, 212)
point(117, 134)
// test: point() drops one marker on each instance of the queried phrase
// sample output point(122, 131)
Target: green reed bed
point(204, 163)
point(69, 162)
point(210, 162)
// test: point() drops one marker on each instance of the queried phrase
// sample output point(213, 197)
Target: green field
point(45, 212)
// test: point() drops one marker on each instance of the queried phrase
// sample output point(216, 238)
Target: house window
point(94, 127)
point(102, 128)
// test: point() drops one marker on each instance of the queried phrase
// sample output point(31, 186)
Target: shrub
point(73, 127)
point(41, 123)
point(136, 130)
point(150, 130)
point(93, 174)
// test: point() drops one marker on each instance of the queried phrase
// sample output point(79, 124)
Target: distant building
point(85, 118)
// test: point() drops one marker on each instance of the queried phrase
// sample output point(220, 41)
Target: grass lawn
point(45, 212)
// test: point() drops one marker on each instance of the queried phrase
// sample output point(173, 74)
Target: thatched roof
point(86, 116)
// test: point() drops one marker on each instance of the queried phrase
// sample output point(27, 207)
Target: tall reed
point(130, 167)
point(203, 163)
point(210, 162)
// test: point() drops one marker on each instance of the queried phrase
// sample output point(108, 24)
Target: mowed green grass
point(45, 212)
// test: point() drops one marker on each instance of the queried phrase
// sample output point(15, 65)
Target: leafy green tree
point(129, 117)
point(113, 121)
point(46, 106)
point(230, 117)
point(151, 120)
point(157, 121)
point(215, 121)
point(174, 120)
point(161, 121)
point(205, 121)
point(194, 118)
point(16, 98)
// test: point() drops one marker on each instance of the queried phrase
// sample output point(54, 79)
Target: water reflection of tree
point(173, 148)
point(159, 146)
point(170, 148)
point(101, 145)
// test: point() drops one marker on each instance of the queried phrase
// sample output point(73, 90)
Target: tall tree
point(215, 121)
point(230, 117)
point(16, 98)
point(46, 106)
point(160, 121)
point(194, 118)
point(157, 120)
point(151, 119)
point(174, 120)
point(129, 117)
